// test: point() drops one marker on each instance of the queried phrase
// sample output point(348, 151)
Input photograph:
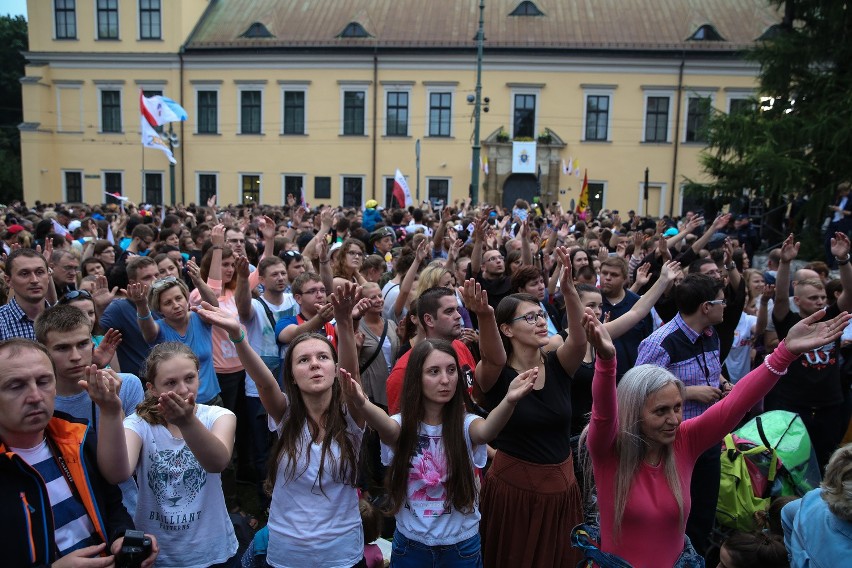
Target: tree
point(13, 42)
point(796, 139)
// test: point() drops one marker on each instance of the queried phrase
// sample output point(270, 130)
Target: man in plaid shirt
point(28, 276)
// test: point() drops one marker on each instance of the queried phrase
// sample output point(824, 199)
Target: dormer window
point(526, 8)
point(354, 30)
point(772, 32)
point(257, 30)
point(706, 33)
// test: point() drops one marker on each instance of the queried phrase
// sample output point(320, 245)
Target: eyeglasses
point(355, 254)
point(721, 302)
point(313, 292)
point(163, 282)
point(531, 317)
point(74, 295)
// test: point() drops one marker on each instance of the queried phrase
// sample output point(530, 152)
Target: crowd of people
point(478, 384)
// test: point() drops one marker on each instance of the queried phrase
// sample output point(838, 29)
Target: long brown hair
point(148, 409)
point(207, 260)
point(290, 445)
point(460, 483)
point(339, 266)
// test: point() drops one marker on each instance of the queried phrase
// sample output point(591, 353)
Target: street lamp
point(174, 142)
point(477, 105)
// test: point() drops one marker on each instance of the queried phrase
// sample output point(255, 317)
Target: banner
point(401, 193)
point(159, 110)
point(584, 194)
point(523, 157)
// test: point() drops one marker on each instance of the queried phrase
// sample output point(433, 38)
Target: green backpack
point(748, 472)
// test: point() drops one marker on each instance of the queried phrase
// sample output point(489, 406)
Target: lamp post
point(174, 142)
point(417, 161)
point(477, 105)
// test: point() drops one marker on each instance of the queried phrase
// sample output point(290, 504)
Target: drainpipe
point(677, 132)
point(375, 114)
point(182, 137)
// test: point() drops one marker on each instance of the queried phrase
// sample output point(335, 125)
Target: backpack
point(748, 472)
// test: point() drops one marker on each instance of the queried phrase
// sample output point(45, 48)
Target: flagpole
point(474, 178)
point(142, 197)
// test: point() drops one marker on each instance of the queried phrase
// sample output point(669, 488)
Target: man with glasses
point(488, 267)
point(688, 346)
point(314, 316)
point(65, 268)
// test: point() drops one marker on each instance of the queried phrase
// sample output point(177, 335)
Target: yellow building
point(333, 96)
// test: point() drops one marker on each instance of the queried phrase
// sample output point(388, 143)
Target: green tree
point(13, 42)
point(797, 139)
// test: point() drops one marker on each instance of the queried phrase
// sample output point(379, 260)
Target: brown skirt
point(528, 511)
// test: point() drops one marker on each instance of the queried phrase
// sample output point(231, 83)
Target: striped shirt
point(74, 529)
point(691, 356)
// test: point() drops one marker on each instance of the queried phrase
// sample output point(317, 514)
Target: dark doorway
point(519, 186)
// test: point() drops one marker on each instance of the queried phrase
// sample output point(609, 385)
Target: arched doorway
point(519, 186)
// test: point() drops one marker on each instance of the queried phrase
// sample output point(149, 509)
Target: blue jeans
point(407, 553)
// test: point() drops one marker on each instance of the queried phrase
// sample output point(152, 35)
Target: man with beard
point(28, 276)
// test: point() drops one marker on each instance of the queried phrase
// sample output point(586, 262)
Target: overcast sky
point(13, 7)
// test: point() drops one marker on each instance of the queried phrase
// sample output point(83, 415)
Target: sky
point(13, 7)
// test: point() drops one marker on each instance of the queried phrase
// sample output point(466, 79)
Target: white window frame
point(103, 86)
point(70, 87)
point(449, 181)
point(82, 184)
point(250, 87)
point(363, 181)
point(354, 86)
point(598, 92)
point(240, 176)
point(695, 93)
point(301, 87)
point(657, 94)
point(737, 95)
point(440, 89)
point(284, 177)
point(118, 16)
point(198, 175)
point(664, 192)
point(163, 187)
point(139, 24)
point(208, 87)
point(103, 181)
point(536, 92)
point(387, 89)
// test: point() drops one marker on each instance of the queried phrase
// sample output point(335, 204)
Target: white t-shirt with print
point(424, 518)
point(261, 333)
point(179, 502)
point(312, 525)
point(739, 361)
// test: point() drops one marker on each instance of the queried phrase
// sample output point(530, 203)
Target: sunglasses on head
point(75, 295)
point(163, 282)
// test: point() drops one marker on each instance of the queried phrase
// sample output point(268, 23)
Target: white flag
point(59, 229)
point(152, 139)
point(110, 237)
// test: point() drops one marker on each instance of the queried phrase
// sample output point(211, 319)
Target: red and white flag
point(159, 110)
point(400, 190)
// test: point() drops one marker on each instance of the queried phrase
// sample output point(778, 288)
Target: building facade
point(332, 97)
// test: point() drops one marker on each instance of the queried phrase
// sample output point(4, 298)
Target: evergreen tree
point(13, 42)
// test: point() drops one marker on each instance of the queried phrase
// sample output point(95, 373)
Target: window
point(294, 112)
point(208, 112)
point(597, 118)
point(596, 196)
point(149, 19)
point(112, 184)
point(251, 189)
point(353, 113)
point(153, 188)
point(439, 190)
point(524, 117)
point(440, 114)
point(354, 30)
point(65, 13)
point(293, 186)
point(697, 117)
point(255, 30)
point(110, 111)
point(397, 114)
point(206, 187)
point(74, 187)
point(250, 121)
point(389, 201)
point(741, 106)
point(657, 119)
point(322, 187)
point(107, 19)
point(352, 192)
point(526, 8)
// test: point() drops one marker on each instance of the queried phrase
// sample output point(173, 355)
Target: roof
point(452, 24)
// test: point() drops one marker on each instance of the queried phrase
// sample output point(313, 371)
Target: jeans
point(407, 553)
point(261, 441)
point(704, 490)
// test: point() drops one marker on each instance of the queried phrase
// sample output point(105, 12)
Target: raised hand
point(790, 249)
point(217, 235)
point(175, 409)
point(101, 294)
point(475, 299)
point(522, 385)
point(343, 301)
point(566, 279)
point(768, 294)
point(218, 317)
point(267, 228)
point(669, 270)
point(298, 215)
point(811, 333)
point(193, 270)
point(326, 219)
point(103, 353)
point(103, 388)
point(840, 245)
point(48, 249)
point(211, 202)
point(721, 222)
point(352, 391)
point(137, 292)
point(598, 336)
point(663, 249)
point(241, 267)
point(325, 311)
point(423, 250)
point(643, 275)
point(695, 222)
point(361, 308)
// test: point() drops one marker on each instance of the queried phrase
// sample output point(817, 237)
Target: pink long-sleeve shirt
point(652, 534)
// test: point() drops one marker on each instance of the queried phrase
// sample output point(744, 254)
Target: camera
point(134, 550)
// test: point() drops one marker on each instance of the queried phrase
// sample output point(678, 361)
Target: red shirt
point(394, 384)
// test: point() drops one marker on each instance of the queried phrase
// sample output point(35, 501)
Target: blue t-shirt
point(133, 350)
point(199, 338)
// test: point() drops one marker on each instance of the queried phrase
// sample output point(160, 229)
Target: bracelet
point(145, 317)
point(731, 266)
point(216, 247)
point(843, 261)
point(773, 370)
point(242, 337)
